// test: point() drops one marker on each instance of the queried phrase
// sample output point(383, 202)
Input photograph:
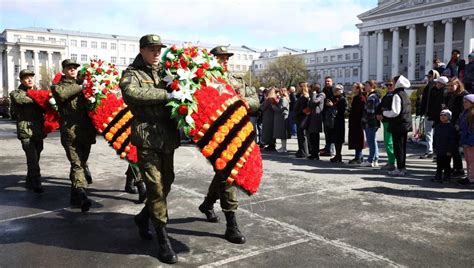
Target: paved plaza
point(306, 214)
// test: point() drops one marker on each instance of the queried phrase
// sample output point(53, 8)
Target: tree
point(46, 77)
point(285, 71)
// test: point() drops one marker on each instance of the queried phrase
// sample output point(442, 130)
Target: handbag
point(304, 124)
point(330, 117)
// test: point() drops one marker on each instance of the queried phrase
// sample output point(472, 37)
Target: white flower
point(199, 59)
point(175, 95)
point(213, 63)
point(52, 101)
point(185, 74)
point(170, 56)
point(169, 78)
point(92, 99)
point(189, 119)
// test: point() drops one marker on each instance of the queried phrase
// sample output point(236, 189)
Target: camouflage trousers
point(220, 189)
point(32, 148)
point(156, 169)
point(78, 154)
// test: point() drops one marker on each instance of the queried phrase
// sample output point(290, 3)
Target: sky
point(263, 24)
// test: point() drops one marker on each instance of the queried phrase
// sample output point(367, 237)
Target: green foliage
point(283, 72)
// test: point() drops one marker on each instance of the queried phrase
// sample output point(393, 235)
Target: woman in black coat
point(356, 133)
point(338, 129)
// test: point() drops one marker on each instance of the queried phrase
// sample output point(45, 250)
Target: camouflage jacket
point(144, 92)
point(30, 122)
point(75, 122)
point(250, 94)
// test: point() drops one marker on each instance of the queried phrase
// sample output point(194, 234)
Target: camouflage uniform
point(77, 132)
point(29, 126)
point(154, 133)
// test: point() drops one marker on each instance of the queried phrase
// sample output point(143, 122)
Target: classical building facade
point(42, 50)
point(405, 36)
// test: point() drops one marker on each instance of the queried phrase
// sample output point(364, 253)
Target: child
point(444, 145)
point(466, 129)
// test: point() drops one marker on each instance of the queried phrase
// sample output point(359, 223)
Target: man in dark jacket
point(156, 137)
point(328, 92)
point(77, 132)
point(444, 144)
point(29, 128)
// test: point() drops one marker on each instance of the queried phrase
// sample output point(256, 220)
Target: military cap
point(26, 72)
point(68, 62)
point(151, 40)
point(221, 50)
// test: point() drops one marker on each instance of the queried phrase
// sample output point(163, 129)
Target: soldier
point(156, 137)
point(77, 132)
point(219, 188)
point(29, 128)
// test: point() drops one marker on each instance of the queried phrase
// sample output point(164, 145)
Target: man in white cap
point(399, 122)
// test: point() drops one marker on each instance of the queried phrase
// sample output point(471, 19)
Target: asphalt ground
point(306, 214)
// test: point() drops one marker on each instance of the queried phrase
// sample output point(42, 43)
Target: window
point(333, 73)
point(318, 59)
point(83, 43)
point(339, 57)
point(113, 59)
point(311, 60)
point(17, 69)
point(94, 57)
point(93, 44)
point(238, 57)
point(237, 67)
point(131, 48)
point(130, 60)
point(250, 57)
point(417, 59)
point(113, 46)
point(63, 41)
point(333, 58)
point(42, 55)
point(385, 60)
point(355, 56)
point(74, 43)
point(255, 66)
point(122, 47)
point(103, 45)
point(52, 40)
point(29, 38)
point(231, 67)
point(339, 72)
point(29, 55)
point(122, 60)
point(347, 72)
point(417, 73)
point(401, 58)
point(348, 56)
point(245, 56)
point(385, 45)
point(41, 38)
point(355, 72)
point(83, 57)
point(74, 57)
point(325, 59)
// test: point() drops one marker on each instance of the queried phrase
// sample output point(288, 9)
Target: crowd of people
point(308, 111)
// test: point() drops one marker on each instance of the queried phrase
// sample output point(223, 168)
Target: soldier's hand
point(79, 81)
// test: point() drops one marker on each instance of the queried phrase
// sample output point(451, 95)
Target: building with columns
point(42, 50)
point(405, 36)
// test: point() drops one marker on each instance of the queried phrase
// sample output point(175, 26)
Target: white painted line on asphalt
point(358, 252)
point(255, 253)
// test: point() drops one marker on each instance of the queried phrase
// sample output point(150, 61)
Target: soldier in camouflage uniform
point(77, 132)
point(219, 189)
point(156, 137)
point(29, 128)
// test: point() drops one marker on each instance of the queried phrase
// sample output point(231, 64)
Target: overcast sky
point(305, 24)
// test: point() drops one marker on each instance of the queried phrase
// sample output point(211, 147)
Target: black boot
point(129, 185)
point(208, 209)
point(86, 203)
point(36, 183)
point(166, 253)
point(141, 220)
point(232, 232)
point(141, 191)
point(29, 183)
point(88, 175)
point(74, 199)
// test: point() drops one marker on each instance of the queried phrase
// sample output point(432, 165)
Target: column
point(395, 51)
point(448, 39)
point(36, 65)
point(467, 36)
point(411, 51)
point(379, 55)
point(50, 60)
point(10, 67)
point(365, 56)
point(429, 46)
point(4, 93)
point(63, 57)
point(22, 59)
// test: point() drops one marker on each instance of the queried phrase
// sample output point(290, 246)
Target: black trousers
point(400, 148)
point(302, 142)
point(443, 163)
point(457, 159)
point(314, 144)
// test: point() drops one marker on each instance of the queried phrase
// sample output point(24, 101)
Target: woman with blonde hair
point(281, 109)
point(267, 119)
point(356, 133)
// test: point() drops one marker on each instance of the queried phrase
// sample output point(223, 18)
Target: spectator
point(438, 66)
point(280, 116)
point(335, 121)
point(386, 104)
point(444, 145)
point(291, 116)
point(455, 66)
point(267, 120)
point(300, 115)
point(261, 99)
point(469, 74)
point(371, 124)
point(328, 91)
point(400, 123)
point(466, 127)
point(315, 127)
point(356, 133)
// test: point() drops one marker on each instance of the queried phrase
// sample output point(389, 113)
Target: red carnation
point(205, 65)
point(168, 64)
point(107, 82)
point(175, 85)
point(183, 63)
point(200, 73)
point(104, 91)
point(173, 48)
point(183, 109)
point(192, 132)
point(109, 71)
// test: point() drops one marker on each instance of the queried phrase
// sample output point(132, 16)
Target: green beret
point(151, 40)
point(221, 50)
point(26, 72)
point(68, 62)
